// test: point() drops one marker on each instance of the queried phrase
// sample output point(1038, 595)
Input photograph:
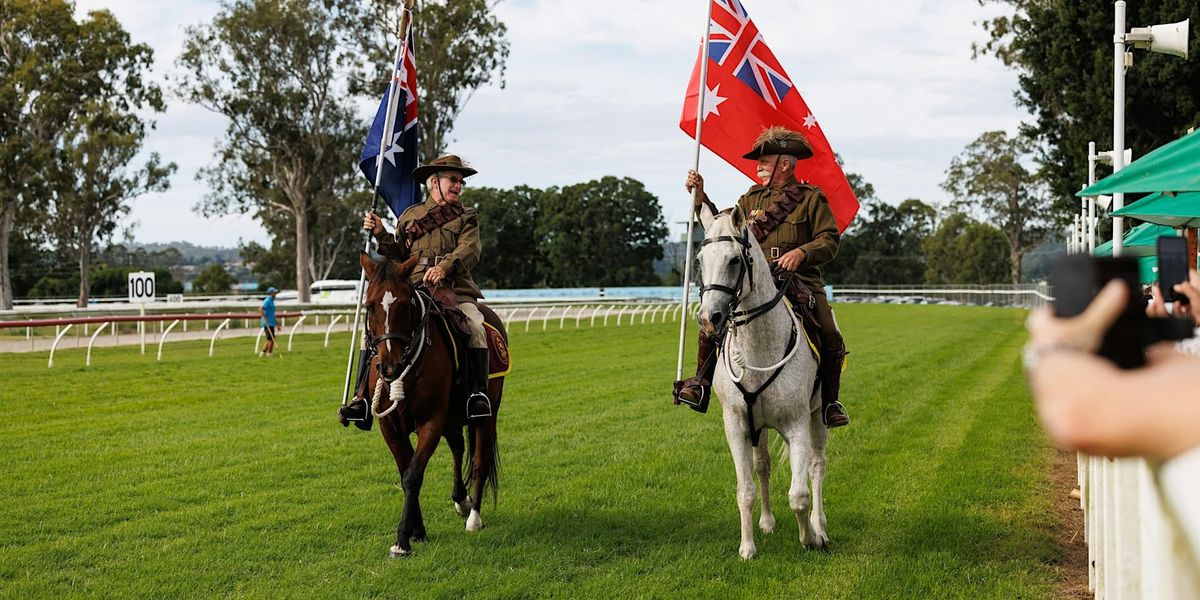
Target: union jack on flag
point(734, 37)
point(396, 151)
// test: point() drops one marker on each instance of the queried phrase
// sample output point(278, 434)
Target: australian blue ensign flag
point(399, 146)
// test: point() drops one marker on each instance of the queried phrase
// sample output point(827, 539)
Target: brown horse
point(415, 391)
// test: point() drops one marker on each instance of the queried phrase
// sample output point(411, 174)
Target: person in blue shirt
point(266, 314)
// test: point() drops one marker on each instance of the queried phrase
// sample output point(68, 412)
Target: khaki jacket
point(810, 226)
point(455, 247)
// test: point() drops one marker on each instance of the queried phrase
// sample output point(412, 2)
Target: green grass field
point(229, 476)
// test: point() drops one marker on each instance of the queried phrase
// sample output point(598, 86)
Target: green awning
point(1173, 210)
point(1174, 167)
point(1139, 241)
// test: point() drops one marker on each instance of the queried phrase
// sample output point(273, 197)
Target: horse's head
point(394, 311)
point(726, 266)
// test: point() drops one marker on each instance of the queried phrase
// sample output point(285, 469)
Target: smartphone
point(1078, 278)
point(1172, 266)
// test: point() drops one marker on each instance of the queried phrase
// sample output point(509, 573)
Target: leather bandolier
point(435, 218)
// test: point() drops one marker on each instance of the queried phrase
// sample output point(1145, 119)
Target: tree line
point(77, 97)
point(287, 76)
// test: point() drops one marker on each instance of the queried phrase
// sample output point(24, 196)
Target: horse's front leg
point(762, 470)
point(799, 449)
point(739, 446)
point(458, 493)
point(816, 472)
point(412, 525)
point(397, 441)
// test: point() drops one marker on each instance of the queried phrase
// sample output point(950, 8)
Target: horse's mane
point(391, 269)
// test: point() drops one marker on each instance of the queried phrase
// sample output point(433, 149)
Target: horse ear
point(368, 264)
point(706, 216)
point(408, 265)
point(739, 218)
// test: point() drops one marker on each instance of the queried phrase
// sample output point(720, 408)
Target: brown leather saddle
point(802, 299)
point(458, 329)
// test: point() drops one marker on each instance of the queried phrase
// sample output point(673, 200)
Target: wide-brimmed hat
point(780, 140)
point(447, 162)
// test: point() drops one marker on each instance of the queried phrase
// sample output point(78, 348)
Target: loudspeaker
point(1167, 39)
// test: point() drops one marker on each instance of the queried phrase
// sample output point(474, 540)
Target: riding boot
point(478, 405)
point(832, 359)
point(358, 411)
point(695, 391)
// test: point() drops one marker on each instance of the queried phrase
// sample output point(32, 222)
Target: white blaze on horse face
point(387, 301)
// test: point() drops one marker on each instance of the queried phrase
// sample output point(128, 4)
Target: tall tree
point(36, 94)
point(989, 180)
point(91, 173)
point(603, 232)
point(508, 219)
point(460, 46)
point(1063, 53)
point(965, 251)
point(275, 69)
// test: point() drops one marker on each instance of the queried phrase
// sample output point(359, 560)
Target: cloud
point(595, 89)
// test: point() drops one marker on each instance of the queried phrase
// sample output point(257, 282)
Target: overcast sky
point(595, 89)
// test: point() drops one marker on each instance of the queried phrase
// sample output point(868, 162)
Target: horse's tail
point(490, 473)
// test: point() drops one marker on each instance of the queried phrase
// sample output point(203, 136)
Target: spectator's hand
point(1190, 289)
point(791, 260)
point(1082, 333)
point(434, 276)
point(372, 223)
point(1088, 404)
point(695, 182)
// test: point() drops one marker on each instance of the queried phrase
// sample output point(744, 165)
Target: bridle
point(745, 276)
point(413, 342)
point(739, 318)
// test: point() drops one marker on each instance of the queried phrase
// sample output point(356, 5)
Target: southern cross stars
point(394, 148)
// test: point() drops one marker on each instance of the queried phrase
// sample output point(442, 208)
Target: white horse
point(766, 372)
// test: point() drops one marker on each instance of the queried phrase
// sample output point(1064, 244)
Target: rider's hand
point(433, 275)
point(696, 182)
point(372, 223)
point(791, 260)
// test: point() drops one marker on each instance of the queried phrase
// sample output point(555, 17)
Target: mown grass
point(228, 477)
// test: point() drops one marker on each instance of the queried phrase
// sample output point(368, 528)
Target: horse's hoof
point(463, 508)
point(767, 523)
point(398, 552)
point(474, 522)
point(747, 552)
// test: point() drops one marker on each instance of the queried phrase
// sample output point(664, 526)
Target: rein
point(414, 347)
point(739, 318)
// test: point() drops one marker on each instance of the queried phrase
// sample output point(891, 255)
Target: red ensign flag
point(748, 91)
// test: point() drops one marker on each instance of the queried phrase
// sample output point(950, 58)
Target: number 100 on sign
point(141, 286)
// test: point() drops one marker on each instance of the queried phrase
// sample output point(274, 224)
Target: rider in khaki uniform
point(804, 237)
point(445, 236)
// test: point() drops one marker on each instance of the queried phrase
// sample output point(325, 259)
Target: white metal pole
point(389, 123)
point(1118, 147)
point(1091, 228)
point(701, 92)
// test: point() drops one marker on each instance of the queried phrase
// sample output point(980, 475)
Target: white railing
point(1135, 549)
point(1029, 295)
point(626, 313)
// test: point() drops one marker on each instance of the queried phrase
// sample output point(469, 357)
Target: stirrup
point(702, 405)
point(357, 412)
point(479, 406)
point(843, 421)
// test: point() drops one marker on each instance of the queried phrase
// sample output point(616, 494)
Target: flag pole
point(702, 91)
point(389, 123)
